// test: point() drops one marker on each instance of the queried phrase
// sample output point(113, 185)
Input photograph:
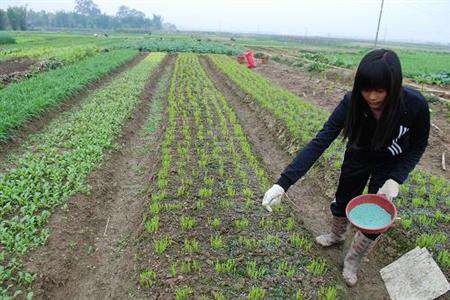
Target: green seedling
point(217, 242)
point(209, 181)
point(427, 221)
point(182, 191)
point(282, 267)
point(231, 192)
point(221, 171)
point(248, 193)
point(298, 295)
point(430, 240)
point(241, 224)
point(317, 267)
point(154, 208)
point(200, 204)
point(257, 293)
point(249, 204)
point(158, 196)
point(189, 266)
point(290, 223)
point(291, 272)
point(216, 222)
point(183, 293)
point(162, 183)
point(266, 222)
point(300, 242)
point(191, 246)
point(272, 241)
point(438, 215)
point(172, 206)
point(444, 258)
point(161, 245)
point(173, 269)
point(187, 222)
point(249, 243)
point(432, 201)
point(407, 223)
point(327, 293)
point(152, 225)
point(253, 272)
point(205, 192)
point(417, 202)
point(227, 266)
point(147, 278)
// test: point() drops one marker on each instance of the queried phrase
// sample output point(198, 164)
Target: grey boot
point(360, 247)
point(339, 227)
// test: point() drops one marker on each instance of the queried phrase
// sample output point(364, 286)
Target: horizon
point(402, 21)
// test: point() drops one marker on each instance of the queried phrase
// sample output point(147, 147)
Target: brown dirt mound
point(16, 65)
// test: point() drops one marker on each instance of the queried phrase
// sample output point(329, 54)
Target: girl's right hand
point(272, 197)
point(390, 188)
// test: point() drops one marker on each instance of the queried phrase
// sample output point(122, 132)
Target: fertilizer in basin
point(370, 216)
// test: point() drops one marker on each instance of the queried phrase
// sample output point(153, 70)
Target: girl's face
point(374, 98)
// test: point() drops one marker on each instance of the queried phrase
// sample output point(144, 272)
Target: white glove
point(272, 197)
point(390, 189)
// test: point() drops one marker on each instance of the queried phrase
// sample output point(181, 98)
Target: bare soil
point(325, 93)
point(309, 202)
point(89, 254)
point(12, 146)
point(14, 65)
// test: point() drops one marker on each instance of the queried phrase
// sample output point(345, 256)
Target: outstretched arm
point(314, 149)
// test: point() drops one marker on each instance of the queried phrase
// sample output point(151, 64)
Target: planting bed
point(21, 101)
point(206, 233)
point(423, 202)
point(54, 166)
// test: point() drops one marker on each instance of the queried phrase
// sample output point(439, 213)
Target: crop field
point(63, 47)
point(138, 172)
point(423, 202)
point(420, 63)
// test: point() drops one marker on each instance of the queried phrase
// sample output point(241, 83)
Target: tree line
point(86, 15)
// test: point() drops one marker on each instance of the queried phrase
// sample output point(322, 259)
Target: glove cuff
point(284, 182)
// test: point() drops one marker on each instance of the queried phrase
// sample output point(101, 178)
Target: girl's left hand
point(390, 188)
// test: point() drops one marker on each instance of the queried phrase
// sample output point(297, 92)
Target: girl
point(386, 126)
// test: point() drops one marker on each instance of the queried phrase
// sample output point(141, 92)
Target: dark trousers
point(357, 168)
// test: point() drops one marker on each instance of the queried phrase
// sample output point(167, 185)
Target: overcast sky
point(408, 20)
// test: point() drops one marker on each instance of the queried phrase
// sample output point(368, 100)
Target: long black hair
point(379, 69)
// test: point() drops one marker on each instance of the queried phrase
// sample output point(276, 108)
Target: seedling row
point(19, 102)
point(54, 166)
point(423, 203)
point(206, 234)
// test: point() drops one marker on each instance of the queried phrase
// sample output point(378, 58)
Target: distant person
point(386, 126)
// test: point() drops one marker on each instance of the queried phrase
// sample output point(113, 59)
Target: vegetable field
point(204, 220)
point(420, 63)
point(138, 172)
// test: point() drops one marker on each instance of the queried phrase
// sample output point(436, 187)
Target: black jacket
point(407, 145)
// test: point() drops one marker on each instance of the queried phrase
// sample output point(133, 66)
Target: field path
point(89, 254)
point(314, 212)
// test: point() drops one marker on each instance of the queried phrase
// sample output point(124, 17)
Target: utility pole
point(379, 21)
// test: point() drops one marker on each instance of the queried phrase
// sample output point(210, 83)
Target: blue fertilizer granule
point(369, 215)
